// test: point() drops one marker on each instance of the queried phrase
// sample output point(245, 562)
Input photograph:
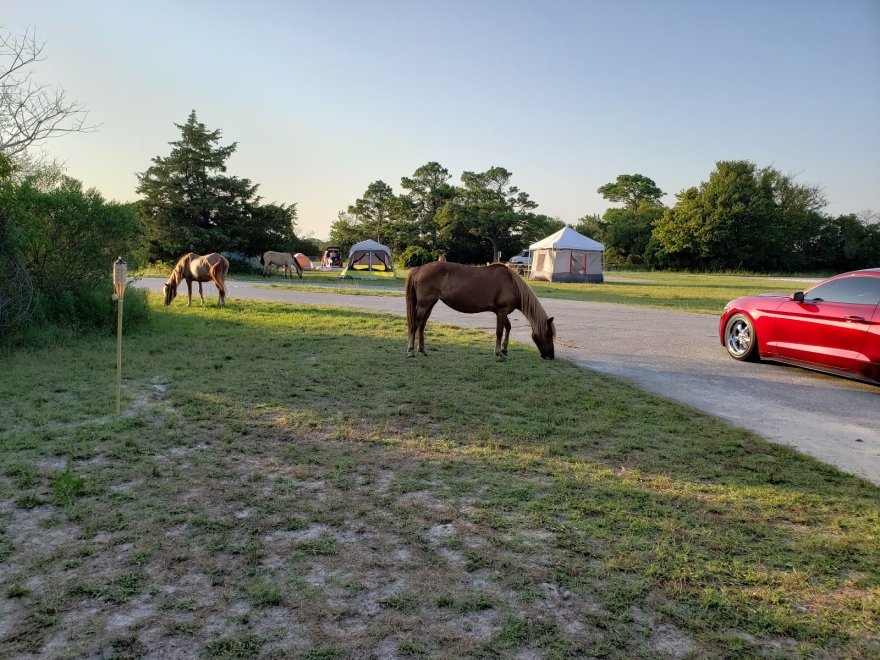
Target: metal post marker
point(120, 272)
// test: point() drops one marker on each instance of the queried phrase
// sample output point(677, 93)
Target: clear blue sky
point(325, 97)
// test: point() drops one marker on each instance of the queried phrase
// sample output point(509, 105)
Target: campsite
point(388, 330)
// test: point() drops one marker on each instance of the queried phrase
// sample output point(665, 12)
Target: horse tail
point(262, 263)
point(218, 274)
point(411, 299)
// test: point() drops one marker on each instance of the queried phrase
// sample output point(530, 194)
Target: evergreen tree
point(190, 204)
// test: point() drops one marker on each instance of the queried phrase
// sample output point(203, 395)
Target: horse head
point(170, 293)
point(544, 340)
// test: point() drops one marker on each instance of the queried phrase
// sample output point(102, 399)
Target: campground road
point(674, 354)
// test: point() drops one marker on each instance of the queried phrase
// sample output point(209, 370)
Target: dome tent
point(369, 259)
point(304, 262)
point(567, 256)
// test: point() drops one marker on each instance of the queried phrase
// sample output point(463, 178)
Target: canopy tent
point(567, 256)
point(369, 259)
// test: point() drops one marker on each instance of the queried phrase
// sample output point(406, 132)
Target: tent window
point(578, 263)
point(369, 260)
point(540, 265)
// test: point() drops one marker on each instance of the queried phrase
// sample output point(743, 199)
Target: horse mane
point(177, 274)
point(530, 306)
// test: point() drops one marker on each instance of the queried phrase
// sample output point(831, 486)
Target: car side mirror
point(797, 297)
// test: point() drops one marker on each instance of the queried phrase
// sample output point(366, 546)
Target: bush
point(240, 264)
point(415, 256)
point(93, 309)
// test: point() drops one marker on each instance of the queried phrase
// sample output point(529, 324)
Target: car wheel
point(740, 338)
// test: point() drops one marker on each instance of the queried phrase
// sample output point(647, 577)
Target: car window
point(852, 290)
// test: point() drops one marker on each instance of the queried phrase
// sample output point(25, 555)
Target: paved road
point(676, 355)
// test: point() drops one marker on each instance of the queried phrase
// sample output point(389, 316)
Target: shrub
point(414, 256)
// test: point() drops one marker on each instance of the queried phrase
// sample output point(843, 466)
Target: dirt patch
point(276, 545)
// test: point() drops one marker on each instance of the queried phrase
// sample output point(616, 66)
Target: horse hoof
point(410, 354)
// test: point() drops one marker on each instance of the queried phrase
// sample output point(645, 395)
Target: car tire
point(740, 338)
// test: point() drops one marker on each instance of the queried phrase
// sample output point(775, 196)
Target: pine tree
point(190, 204)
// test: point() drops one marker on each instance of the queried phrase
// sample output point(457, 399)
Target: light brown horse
point(192, 267)
point(281, 259)
point(471, 290)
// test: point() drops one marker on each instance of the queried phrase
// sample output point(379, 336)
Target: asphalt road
point(674, 354)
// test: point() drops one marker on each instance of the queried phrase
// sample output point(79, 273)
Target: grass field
point(283, 482)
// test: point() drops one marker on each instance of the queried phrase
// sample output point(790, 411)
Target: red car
point(834, 326)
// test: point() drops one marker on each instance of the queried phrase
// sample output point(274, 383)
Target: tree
point(266, 227)
point(191, 205)
point(371, 211)
point(852, 241)
point(592, 226)
point(721, 225)
point(743, 218)
point(488, 207)
point(626, 231)
point(57, 242)
point(633, 190)
point(31, 112)
point(428, 190)
point(16, 287)
point(345, 231)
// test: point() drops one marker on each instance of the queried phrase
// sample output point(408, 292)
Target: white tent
point(567, 256)
point(369, 259)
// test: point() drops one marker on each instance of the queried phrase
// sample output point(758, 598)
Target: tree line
point(469, 223)
point(742, 218)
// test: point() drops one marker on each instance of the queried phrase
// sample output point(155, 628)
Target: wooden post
point(118, 355)
point(120, 271)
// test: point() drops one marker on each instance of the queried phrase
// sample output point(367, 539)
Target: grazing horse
point(471, 290)
point(282, 260)
point(192, 267)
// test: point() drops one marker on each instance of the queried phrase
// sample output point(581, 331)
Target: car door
point(830, 325)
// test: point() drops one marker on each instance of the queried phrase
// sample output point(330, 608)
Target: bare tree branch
point(32, 112)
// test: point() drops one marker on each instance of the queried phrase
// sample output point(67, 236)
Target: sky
point(324, 97)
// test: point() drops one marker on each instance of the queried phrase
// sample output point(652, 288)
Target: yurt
point(567, 256)
point(369, 259)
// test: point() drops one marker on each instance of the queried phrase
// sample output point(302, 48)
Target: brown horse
point(471, 290)
point(192, 267)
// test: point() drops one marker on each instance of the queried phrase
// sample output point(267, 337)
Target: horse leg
point(500, 321)
point(189, 291)
point(411, 342)
point(422, 314)
point(201, 294)
point(412, 328)
point(501, 338)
